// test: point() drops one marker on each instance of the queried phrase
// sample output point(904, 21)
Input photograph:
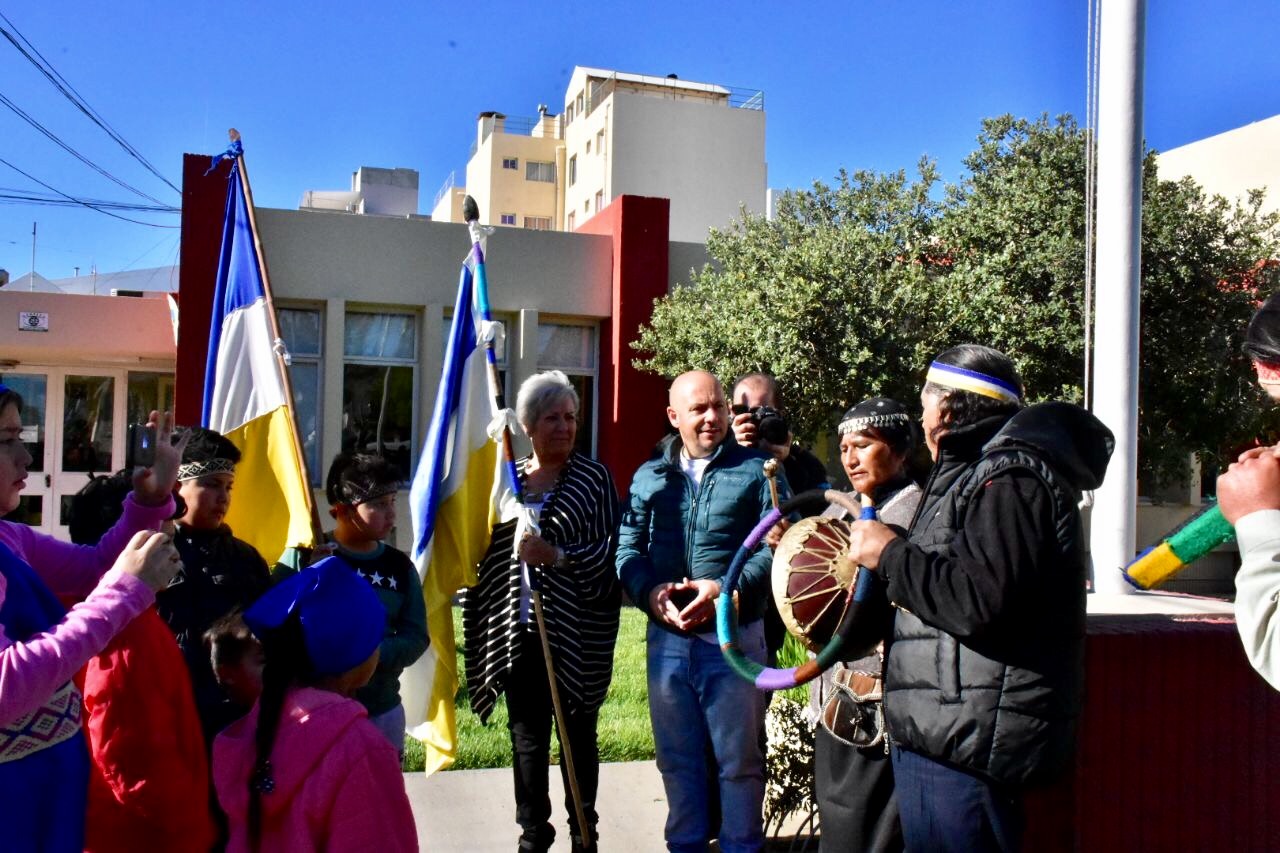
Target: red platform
point(1179, 744)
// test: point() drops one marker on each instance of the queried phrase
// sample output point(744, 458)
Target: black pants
point(857, 809)
point(530, 716)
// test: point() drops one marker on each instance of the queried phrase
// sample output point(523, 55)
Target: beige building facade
point(698, 144)
point(1232, 163)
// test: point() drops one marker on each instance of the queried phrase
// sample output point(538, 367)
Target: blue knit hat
point(342, 619)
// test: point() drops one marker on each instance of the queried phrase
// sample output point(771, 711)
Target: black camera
point(771, 426)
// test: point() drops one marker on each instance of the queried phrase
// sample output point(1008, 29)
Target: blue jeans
point(694, 697)
point(944, 809)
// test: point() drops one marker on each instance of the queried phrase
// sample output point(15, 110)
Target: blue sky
point(319, 88)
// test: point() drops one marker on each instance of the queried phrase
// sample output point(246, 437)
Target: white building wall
point(387, 192)
point(708, 159)
point(1231, 163)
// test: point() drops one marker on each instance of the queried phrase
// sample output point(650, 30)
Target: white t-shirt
point(693, 468)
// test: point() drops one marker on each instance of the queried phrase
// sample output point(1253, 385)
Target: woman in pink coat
point(306, 770)
point(44, 766)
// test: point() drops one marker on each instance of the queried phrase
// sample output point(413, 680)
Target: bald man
point(690, 509)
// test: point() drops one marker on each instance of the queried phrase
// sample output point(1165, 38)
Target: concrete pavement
point(473, 811)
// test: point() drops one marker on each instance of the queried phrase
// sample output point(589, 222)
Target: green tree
point(833, 296)
point(851, 289)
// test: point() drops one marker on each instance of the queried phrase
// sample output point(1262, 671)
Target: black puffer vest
point(1004, 706)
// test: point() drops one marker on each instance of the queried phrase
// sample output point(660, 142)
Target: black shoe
point(584, 845)
point(537, 840)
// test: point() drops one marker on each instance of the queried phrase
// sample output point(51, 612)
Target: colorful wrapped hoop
point(771, 678)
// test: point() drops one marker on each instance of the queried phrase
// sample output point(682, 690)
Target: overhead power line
point(18, 40)
point(22, 114)
point(16, 196)
point(80, 201)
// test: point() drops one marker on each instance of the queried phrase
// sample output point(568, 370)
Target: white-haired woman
point(570, 561)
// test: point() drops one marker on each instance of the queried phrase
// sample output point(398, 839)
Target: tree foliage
point(853, 287)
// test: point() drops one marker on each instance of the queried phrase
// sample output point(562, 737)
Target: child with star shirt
point(362, 500)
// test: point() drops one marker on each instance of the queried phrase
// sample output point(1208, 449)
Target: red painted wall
point(204, 204)
point(632, 405)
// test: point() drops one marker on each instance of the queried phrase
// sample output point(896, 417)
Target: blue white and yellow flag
point(453, 500)
point(245, 398)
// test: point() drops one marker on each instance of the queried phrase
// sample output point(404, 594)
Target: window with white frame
point(573, 170)
point(599, 200)
point(510, 163)
point(572, 348)
point(588, 146)
point(538, 223)
point(500, 350)
point(535, 170)
point(569, 221)
point(599, 142)
point(303, 332)
point(379, 358)
point(508, 219)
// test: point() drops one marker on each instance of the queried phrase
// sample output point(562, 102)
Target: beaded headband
point(852, 425)
point(196, 470)
point(354, 495)
point(950, 376)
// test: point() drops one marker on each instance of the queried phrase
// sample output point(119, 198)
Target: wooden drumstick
point(771, 472)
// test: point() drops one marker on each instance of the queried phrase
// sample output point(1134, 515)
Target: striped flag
point(453, 501)
point(245, 397)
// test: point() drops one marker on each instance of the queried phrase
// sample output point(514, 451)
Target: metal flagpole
point(1117, 290)
point(471, 214)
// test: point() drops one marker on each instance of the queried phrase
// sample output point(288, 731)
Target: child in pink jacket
point(306, 770)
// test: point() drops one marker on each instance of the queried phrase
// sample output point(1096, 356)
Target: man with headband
point(1249, 497)
point(984, 678)
point(220, 573)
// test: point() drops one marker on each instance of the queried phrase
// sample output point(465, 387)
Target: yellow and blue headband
point(950, 376)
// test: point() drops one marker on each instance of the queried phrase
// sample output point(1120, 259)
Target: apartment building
point(374, 192)
point(700, 145)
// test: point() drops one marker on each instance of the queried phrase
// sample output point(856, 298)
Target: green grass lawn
point(625, 734)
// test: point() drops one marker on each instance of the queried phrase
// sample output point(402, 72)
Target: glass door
point(36, 506)
point(91, 420)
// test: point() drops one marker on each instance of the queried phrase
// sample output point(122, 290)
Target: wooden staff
point(471, 213)
point(317, 529)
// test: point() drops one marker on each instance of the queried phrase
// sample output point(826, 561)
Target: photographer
point(758, 423)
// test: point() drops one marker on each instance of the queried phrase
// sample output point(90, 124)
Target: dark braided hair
point(958, 408)
point(352, 476)
point(287, 664)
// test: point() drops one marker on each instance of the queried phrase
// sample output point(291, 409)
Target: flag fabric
point(244, 395)
point(454, 506)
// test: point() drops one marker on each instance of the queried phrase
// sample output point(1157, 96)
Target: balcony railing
point(514, 125)
point(449, 183)
point(738, 97)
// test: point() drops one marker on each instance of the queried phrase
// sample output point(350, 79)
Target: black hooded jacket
point(986, 668)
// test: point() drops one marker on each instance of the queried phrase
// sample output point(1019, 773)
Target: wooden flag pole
point(317, 529)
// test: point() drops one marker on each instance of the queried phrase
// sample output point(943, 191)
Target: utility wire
point(69, 92)
point(82, 202)
point(12, 196)
point(74, 153)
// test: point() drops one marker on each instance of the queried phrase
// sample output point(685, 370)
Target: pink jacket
point(338, 784)
point(30, 672)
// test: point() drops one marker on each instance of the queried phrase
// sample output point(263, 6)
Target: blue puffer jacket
point(669, 533)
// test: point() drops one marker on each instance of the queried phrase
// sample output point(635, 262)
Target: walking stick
point(471, 213)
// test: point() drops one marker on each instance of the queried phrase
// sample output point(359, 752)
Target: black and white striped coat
point(580, 600)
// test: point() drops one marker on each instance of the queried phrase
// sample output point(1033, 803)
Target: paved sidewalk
point(473, 811)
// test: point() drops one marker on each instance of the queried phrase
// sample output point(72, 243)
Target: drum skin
point(812, 577)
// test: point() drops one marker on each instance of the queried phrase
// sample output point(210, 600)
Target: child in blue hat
point(305, 769)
